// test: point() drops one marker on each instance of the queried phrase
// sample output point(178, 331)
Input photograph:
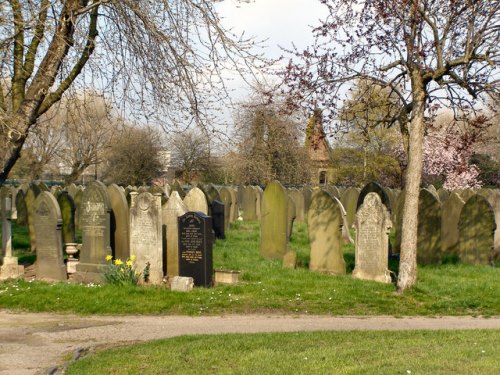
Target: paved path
point(32, 343)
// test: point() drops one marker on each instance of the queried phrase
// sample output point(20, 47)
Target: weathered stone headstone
point(119, 222)
point(235, 208)
point(212, 193)
point(10, 268)
point(67, 208)
point(443, 195)
point(373, 187)
point(158, 190)
point(429, 228)
point(258, 201)
point(477, 231)
point(249, 203)
point(298, 199)
point(195, 200)
point(195, 248)
point(22, 210)
point(465, 194)
point(146, 234)
point(49, 252)
point(307, 192)
point(450, 214)
point(72, 190)
point(95, 225)
point(493, 197)
point(291, 215)
point(174, 208)
point(290, 260)
point(30, 198)
point(43, 186)
point(181, 284)
point(333, 190)
point(274, 221)
point(324, 221)
point(217, 211)
point(225, 196)
point(373, 223)
point(77, 198)
point(349, 200)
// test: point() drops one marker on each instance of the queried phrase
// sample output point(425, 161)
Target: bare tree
point(426, 52)
point(162, 58)
point(190, 154)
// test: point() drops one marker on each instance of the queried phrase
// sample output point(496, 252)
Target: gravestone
point(217, 211)
point(349, 200)
point(307, 192)
point(195, 248)
point(249, 203)
point(181, 284)
point(119, 222)
point(212, 193)
point(10, 268)
point(333, 190)
point(465, 194)
point(43, 186)
point(346, 234)
point(158, 190)
point(146, 234)
point(47, 223)
point(174, 208)
point(235, 208)
point(22, 209)
point(450, 214)
point(13, 194)
point(95, 225)
point(72, 190)
point(167, 190)
point(77, 198)
point(372, 223)
point(493, 197)
point(429, 228)
point(373, 187)
point(324, 221)
point(298, 199)
point(67, 208)
point(291, 215)
point(29, 198)
point(477, 227)
point(290, 260)
point(258, 201)
point(274, 221)
point(443, 195)
point(225, 196)
point(195, 200)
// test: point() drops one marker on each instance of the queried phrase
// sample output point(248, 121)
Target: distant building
point(318, 150)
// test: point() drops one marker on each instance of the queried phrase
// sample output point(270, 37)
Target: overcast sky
point(281, 22)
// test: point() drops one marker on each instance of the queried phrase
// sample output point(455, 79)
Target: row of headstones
point(458, 228)
point(106, 210)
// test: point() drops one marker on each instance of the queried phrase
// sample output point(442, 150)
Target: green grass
point(354, 352)
point(451, 289)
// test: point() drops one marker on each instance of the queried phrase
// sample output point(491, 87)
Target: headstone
point(290, 260)
point(10, 268)
point(274, 221)
point(196, 200)
point(298, 199)
point(349, 200)
point(212, 193)
point(95, 225)
point(195, 248)
point(429, 228)
point(249, 203)
point(346, 234)
point(225, 196)
point(450, 214)
point(30, 198)
point(47, 224)
point(72, 190)
point(493, 197)
point(373, 223)
point(217, 210)
point(324, 221)
point(146, 234)
point(333, 190)
point(120, 222)
point(465, 194)
point(258, 201)
point(443, 195)
point(22, 209)
point(13, 193)
point(43, 186)
point(182, 284)
point(67, 208)
point(373, 187)
point(167, 190)
point(77, 198)
point(477, 231)
point(235, 208)
point(174, 208)
point(158, 190)
point(291, 216)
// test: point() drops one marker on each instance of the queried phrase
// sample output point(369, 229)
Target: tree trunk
point(76, 171)
point(408, 257)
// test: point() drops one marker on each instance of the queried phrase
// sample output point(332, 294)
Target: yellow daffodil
point(118, 262)
point(109, 257)
point(129, 263)
point(132, 257)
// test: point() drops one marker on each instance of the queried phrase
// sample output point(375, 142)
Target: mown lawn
point(266, 287)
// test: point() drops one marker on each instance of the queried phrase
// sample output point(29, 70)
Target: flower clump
point(118, 272)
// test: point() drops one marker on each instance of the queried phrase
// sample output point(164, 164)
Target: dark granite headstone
point(195, 248)
point(217, 209)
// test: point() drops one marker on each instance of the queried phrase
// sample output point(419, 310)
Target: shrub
point(118, 272)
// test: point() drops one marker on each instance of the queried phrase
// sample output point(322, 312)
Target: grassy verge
point(267, 287)
point(355, 352)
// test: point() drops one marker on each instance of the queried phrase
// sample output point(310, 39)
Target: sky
point(281, 22)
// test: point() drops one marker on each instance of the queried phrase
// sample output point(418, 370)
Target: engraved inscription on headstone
point(195, 248)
